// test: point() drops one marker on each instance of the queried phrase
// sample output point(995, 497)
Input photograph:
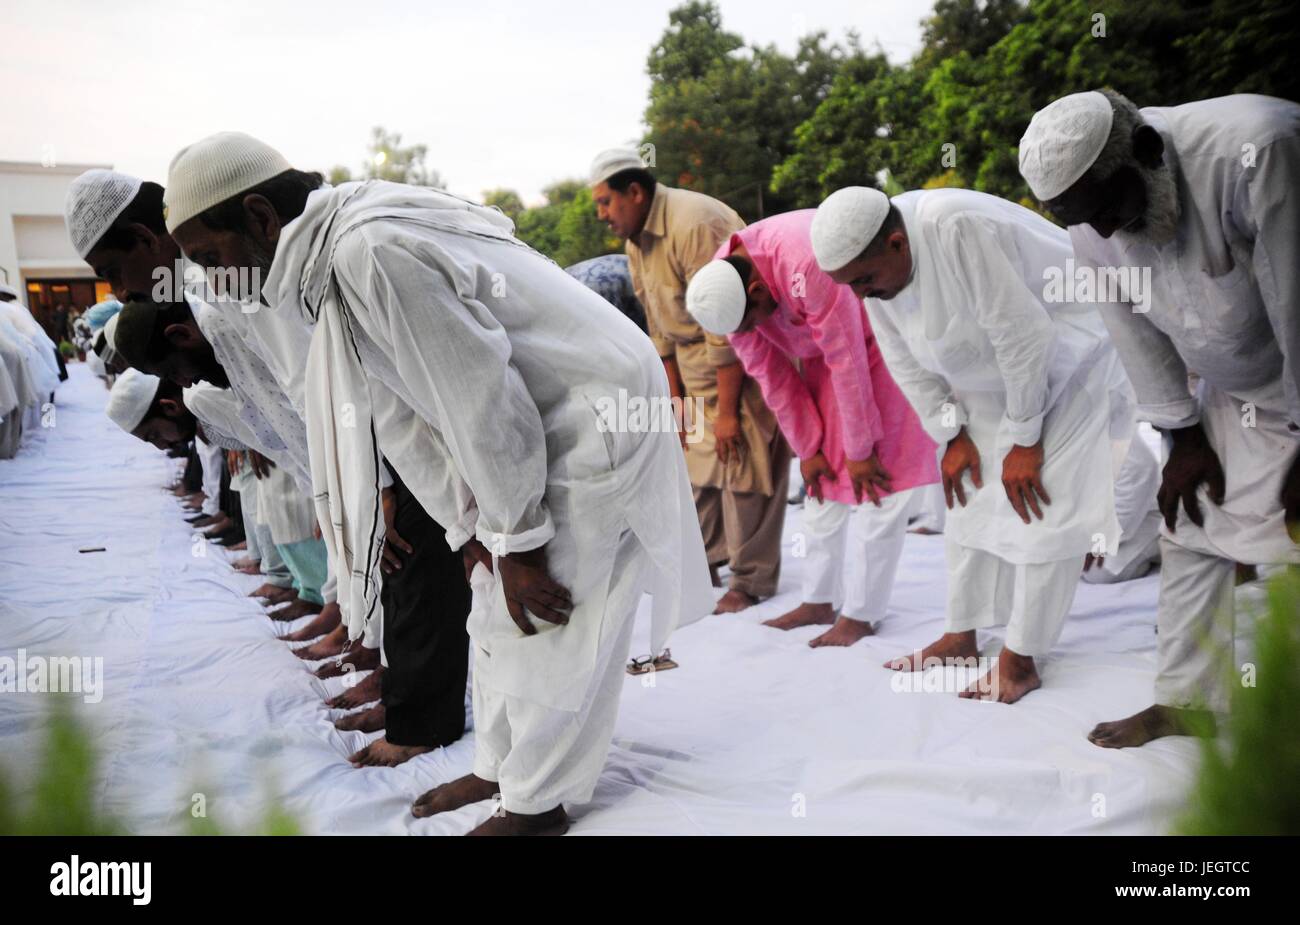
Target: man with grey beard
point(1202, 197)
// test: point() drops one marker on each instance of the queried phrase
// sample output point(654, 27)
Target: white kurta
point(972, 342)
point(441, 331)
point(269, 417)
point(43, 349)
point(1224, 305)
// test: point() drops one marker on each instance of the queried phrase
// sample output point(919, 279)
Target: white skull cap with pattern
point(716, 297)
point(1063, 140)
point(132, 394)
point(214, 169)
point(95, 200)
point(846, 222)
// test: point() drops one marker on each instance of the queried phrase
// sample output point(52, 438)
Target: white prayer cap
point(716, 297)
point(211, 171)
point(132, 394)
point(846, 222)
point(612, 161)
point(95, 200)
point(6, 289)
point(1063, 141)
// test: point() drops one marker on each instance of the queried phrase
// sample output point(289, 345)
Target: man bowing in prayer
point(740, 464)
point(476, 367)
point(1202, 197)
point(1014, 388)
point(808, 344)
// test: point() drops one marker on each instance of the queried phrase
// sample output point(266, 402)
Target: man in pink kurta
point(808, 343)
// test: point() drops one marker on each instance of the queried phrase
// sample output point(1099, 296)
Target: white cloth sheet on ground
point(201, 698)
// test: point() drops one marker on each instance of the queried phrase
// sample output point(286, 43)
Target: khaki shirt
point(683, 232)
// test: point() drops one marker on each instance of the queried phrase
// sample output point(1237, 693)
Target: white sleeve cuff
point(1024, 433)
point(1173, 415)
point(947, 422)
point(503, 544)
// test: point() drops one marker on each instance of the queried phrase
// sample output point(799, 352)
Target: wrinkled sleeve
point(691, 251)
point(1153, 364)
point(1273, 222)
point(837, 322)
point(929, 394)
point(783, 390)
point(640, 287)
point(1011, 316)
point(455, 359)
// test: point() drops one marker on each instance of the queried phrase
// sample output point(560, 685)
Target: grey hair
point(1162, 208)
point(1118, 150)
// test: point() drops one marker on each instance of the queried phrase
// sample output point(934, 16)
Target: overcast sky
point(505, 94)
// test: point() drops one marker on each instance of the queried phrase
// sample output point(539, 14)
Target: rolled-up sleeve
point(455, 359)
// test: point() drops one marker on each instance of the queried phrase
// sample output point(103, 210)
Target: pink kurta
point(841, 400)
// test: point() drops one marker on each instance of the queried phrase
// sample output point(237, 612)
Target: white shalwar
point(490, 379)
point(1223, 304)
point(973, 342)
point(853, 552)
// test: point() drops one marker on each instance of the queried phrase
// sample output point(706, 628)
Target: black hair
point(169, 313)
point(893, 222)
point(620, 181)
point(145, 209)
point(743, 267)
point(167, 391)
point(287, 192)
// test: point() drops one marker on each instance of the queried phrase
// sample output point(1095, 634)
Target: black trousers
point(426, 604)
point(193, 477)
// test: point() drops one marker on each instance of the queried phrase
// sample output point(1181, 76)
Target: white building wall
point(33, 236)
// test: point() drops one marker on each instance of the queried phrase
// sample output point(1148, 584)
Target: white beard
point(1160, 220)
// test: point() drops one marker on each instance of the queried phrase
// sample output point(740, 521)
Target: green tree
point(388, 159)
point(565, 227)
point(722, 115)
point(507, 200)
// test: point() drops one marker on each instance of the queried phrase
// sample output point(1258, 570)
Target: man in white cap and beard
point(478, 369)
point(1014, 390)
point(739, 465)
point(1201, 197)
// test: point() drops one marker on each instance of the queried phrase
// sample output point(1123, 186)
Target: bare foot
point(325, 621)
point(238, 547)
point(923, 531)
point(384, 754)
point(1010, 679)
point(1154, 722)
point(296, 609)
point(460, 792)
point(947, 646)
point(552, 822)
point(734, 601)
point(371, 720)
point(273, 594)
point(803, 615)
point(247, 566)
point(367, 690)
point(331, 645)
point(218, 526)
point(845, 632)
point(355, 658)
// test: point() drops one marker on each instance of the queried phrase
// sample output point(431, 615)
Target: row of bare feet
point(1010, 678)
point(327, 640)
